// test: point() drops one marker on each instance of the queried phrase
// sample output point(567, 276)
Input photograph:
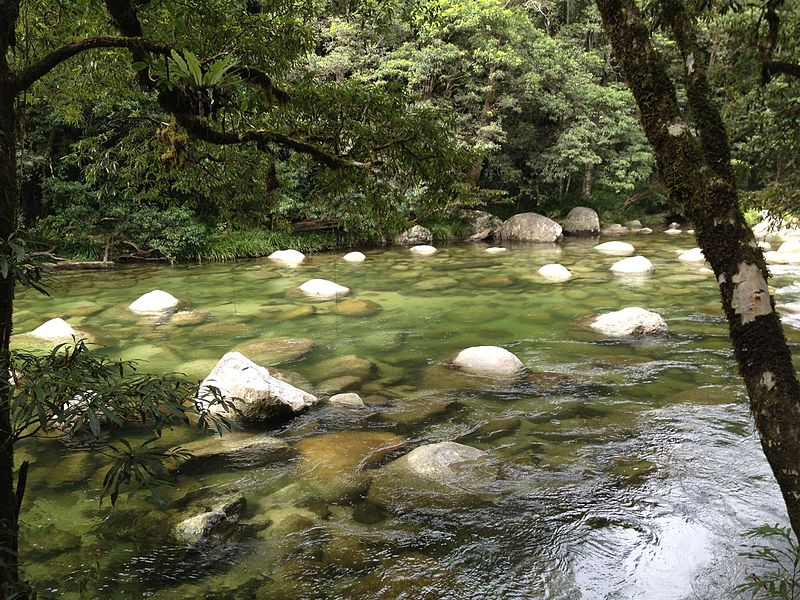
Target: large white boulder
point(287, 257)
point(581, 221)
point(629, 321)
point(422, 250)
point(53, 329)
point(496, 250)
point(693, 255)
point(324, 290)
point(790, 247)
point(633, 265)
point(673, 231)
point(615, 248)
point(530, 227)
point(489, 360)
point(782, 258)
point(555, 272)
point(354, 257)
point(259, 397)
point(155, 302)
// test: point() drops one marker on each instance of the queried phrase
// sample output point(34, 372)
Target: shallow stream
point(619, 469)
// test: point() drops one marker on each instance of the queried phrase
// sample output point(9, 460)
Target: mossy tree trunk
point(8, 215)
point(693, 160)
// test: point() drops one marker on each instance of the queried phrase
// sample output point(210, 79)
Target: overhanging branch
point(28, 76)
point(199, 129)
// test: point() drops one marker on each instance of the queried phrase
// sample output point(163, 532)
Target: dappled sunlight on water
point(617, 469)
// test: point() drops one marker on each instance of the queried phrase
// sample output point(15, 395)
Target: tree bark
point(9, 204)
point(697, 175)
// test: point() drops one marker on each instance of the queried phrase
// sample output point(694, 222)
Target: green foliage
point(781, 554)
point(74, 392)
point(17, 263)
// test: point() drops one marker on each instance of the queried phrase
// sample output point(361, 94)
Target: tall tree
point(693, 161)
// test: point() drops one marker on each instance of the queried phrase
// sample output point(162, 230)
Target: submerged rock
point(354, 257)
point(414, 236)
point(495, 250)
point(342, 460)
point(218, 520)
point(155, 302)
point(633, 265)
point(53, 329)
point(615, 248)
point(348, 365)
point(629, 321)
point(530, 227)
point(276, 351)
point(581, 221)
point(356, 307)
point(323, 290)
point(438, 473)
point(555, 272)
point(423, 250)
point(234, 450)
point(259, 397)
point(489, 360)
point(287, 257)
point(349, 400)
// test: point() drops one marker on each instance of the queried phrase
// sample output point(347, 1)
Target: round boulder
point(496, 250)
point(354, 257)
point(555, 272)
point(153, 303)
point(349, 400)
point(629, 321)
point(414, 236)
point(356, 307)
point(489, 360)
point(54, 329)
point(441, 473)
point(581, 221)
point(530, 227)
point(287, 257)
point(615, 248)
point(323, 290)
point(693, 255)
point(789, 247)
point(673, 231)
point(422, 250)
point(633, 265)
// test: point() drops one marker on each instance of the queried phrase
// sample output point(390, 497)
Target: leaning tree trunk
point(8, 214)
point(697, 174)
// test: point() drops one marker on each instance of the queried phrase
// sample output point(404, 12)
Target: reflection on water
point(618, 469)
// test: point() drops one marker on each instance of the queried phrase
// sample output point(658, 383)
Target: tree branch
point(25, 78)
point(199, 129)
point(261, 79)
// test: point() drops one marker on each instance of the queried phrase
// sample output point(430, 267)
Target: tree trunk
point(696, 173)
point(586, 188)
point(8, 216)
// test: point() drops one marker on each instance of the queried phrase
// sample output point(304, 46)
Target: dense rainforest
point(515, 106)
point(205, 130)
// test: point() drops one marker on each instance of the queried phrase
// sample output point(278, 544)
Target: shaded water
point(631, 474)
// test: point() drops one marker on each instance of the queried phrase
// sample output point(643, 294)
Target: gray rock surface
point(259, 397)
point(413, 236)
point(581, 221)
point(530, 227)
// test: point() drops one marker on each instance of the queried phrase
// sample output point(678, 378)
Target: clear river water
point(621, 468)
